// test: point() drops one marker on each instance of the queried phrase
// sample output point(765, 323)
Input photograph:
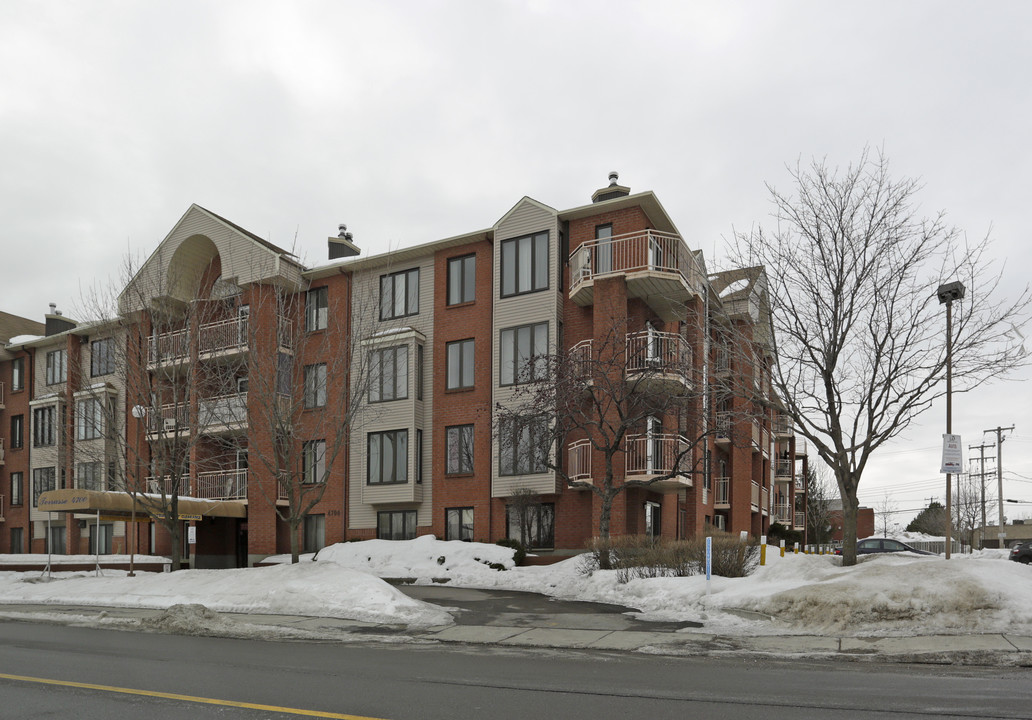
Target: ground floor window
point(17, 541)
point(396, 525)
point(533, 525)
point(55, 540)
point(314, 533)
point(458, 524)
point(103, 533)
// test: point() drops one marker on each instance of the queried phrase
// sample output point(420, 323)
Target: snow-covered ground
point(898, 594)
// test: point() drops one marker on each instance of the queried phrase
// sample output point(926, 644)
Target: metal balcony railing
point(782, 425)
point(222, 485)
point(722, 496)
point(170, 418)
point(169, 346)
point(648, 250)
point(657, 454)
point(223, 335)
point(800, 520)
point(764, 498)
point(224, 410)
point(783, 469)
point(580, 359)
point(724, 425)
point(580, 460)
point(754, 498)
point(659, 351)
point(782, 513)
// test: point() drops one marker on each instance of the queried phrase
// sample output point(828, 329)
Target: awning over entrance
point(120, 503)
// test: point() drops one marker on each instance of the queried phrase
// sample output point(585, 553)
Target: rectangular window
point(604, 249)
point(399, 294)
point(55, 540)
point(461, 279)
point(57, 366)
point(284, 382)
point(102, 357)
point(315, 385)
point(460, 364)
point(17, 541)
point(314, 533)
point(16, 488)
point(17, 431)
point(43, 479)
point(90, 476)
point(522, 447)
point(533, 525)
point(89, 419)
point(523, 354)
point(458, 451)
point(313, 461)
point(18, 374)
point(317, 311)
point(388, 374)
point(419, 456)
point(100, 538)
point(396, 525)
point(44, 426)
point(458, 524)
point(388, 457)
point(419, 372)
point(525, 264)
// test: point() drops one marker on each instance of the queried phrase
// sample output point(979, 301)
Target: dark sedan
point(871, 545)
point(1022, 552)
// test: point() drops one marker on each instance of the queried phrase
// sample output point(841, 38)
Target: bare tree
point(968, 512)
point(853, 272)
point(820, 492)
point(520, 504)
point(886, 509)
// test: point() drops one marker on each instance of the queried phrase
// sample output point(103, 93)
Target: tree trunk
point(175, 533)
point(294, 549)
point(605, 510)
point(850, 510)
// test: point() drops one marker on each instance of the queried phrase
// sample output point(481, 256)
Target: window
point(18, 374)
point(458, 449)
point(388, 374)
point(458, 524)
point(460, 364)
point(57, 366)
point(317, 312)
point(315, 385)
point(17, 541)
point(102, 357)
point(525, 264)
point(522, 448)
point(43, 426)
point(16, 488)
point(399, 294)
point(388, 457)
point(90, 476)
point(284, 382)
point(461, 279)
point(396, 525)
point(89, 419)
point(100, 538)
point(533, 525)
point(604, 249)
point(419, 372)
point(419, 456)
point(523, 354)
point(55, 540)
point(43, 479)
point(314, 533)
point(313, 461)
point(17, 431)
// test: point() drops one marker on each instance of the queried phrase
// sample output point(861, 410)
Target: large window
point(523, 354)
point(100, 538)
point(533, 525)
point(17, 431)
point(90, 476)
point(604, 249)
point(55, 540)
point(315, 385)
point(313, 461)
point(460, 364)
point(399, 294)
point(44, 426)
point(525, 264)
point(317, 311)
point(314, 533)
point(459, 449)
point(89, 419)
point(43, 479)
point(396, 525)
point(388, 374)
point(458, 524)
point(102, 357)
point(17, 541)
point(18, 374)
point(57, 366)
point(523, 447)
point(16, 488)
point(461, 279)
point(388, 457)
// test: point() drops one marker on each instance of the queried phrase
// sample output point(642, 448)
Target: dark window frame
point(102, 357)
point(510, 371)
point(463, 435)
point(511, 259)
point(379, 438)
point(465, 290)
point(18, 374)
point(457, 516)
point(44, 426)
point(57, 366)
point(464, 373)
point(317, 309)
point(89, 418)
point(17, 488)
point(408, 520)
point(313, 463)
point(513, 457)
point(399, 376)
point(544, 532)
point(43, 479)
point(406, 280)
point(17, 432)
point(313, 385)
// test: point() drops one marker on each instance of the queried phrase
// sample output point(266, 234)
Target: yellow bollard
point(797, 548)
point(782, 548)
point(763, 550)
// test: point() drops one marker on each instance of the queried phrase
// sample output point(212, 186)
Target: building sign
point(952, 456)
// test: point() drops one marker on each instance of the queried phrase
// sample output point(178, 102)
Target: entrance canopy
point(120, 503)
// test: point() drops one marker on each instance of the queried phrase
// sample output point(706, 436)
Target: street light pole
point(947, 294)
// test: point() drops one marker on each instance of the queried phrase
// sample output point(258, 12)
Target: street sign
point(952, 455)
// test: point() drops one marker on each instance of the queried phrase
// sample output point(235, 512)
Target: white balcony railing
point(223, 335)
point(222, 485)
point(648, 250)
point(782, 425)
point(170, 418)
point(658, 454)
point(783, 468)
point(764, 499)
point(800, 484)
point(169, 346)
point(755, 496)
point(782, 513)
point(580, 460)
point(800, 520)
point(580, 359)
point(723, 491)
point(225, 410)
point(659, 351)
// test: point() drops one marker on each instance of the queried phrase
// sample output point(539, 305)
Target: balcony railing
point(637, 251)
point(580, 460)
point(226, 410)
point(755, 496)
point(724, 425)
point(651, 350)
point(163, 485)
point(783, 469)
point(722, 488)
point(169, 347)
point(782, 425)
point(765, 499)
point(800, 520)
point(213, 337)
point(170, 418)
point(222, 485)
point(800, 484)
point(658, 454)
point(223, 335)
point(782, 513)
point(580, 359)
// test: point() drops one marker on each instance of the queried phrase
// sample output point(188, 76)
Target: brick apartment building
point(363, 394)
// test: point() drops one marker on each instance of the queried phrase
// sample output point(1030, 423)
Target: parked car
point(1022, 552)
point(871, 545)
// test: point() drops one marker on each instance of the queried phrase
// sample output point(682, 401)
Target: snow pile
point(423, 558)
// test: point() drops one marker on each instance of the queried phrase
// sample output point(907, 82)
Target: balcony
point(226, 413)
point(783, 470)
point(170, 348)
point(724, 428)
point(657, 266)
point(800, 521)
point(782, 514)
point(800, 485)
point(579, 463)
point(783, 426)
point(580, 360)
point(222, 338)
point(650, 455)
point(722, 496)
point(170, 419)
point(754, 498)
point(660, 360)
point(222, 485)
point(2, 406)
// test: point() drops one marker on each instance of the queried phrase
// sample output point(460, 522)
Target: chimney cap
point(614, 190)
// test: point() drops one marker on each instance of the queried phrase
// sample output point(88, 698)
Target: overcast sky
point(416, 121)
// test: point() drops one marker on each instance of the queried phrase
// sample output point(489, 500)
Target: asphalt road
point(129, 674)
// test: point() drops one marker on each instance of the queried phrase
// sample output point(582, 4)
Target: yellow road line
point(186, 698)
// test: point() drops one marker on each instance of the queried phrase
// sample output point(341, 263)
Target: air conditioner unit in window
point(169, 424)
point(720, 522)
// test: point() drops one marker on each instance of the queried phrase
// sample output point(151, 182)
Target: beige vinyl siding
point(527, 217)
point(364, 501)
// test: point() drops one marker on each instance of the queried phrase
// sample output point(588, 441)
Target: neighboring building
point(390, 371)
point(1014, 533)
point(864, 521)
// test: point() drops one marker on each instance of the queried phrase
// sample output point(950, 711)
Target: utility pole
point(981, 483)
point(999, 473)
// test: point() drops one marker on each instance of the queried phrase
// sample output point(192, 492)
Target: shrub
point(639, 556)
point(520, 551)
